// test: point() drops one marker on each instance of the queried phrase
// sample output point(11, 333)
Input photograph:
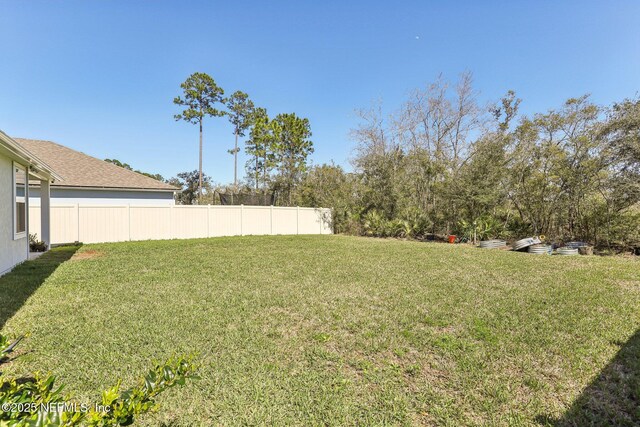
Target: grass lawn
point(308, 330)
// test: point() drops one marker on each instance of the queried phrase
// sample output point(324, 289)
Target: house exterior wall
point(12, 251)
point(65, 196)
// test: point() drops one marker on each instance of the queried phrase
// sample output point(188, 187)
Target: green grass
point(335, 330)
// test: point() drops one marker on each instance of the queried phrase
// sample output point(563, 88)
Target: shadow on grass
point(613, 398)
point(19, 284)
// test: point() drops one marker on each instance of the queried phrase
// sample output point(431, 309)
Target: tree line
point(444, 164)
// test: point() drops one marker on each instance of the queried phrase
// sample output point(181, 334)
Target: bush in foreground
point(38, 401)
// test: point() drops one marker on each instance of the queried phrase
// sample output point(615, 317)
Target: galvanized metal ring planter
point(539, 249)
point(492, 244)
point(567, 250)
point(525, 243)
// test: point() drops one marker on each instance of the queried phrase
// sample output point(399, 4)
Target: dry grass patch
point(86, 254)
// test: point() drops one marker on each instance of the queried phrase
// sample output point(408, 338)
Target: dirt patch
point(88, 254)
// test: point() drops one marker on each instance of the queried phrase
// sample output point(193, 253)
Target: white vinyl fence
point(97, 224)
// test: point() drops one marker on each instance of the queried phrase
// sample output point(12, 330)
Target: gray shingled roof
point(80, 170)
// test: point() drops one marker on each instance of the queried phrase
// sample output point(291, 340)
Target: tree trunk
point(264, 174)
point(235, 169)
point(235, 163)
point(200, 167)
point(257, 173)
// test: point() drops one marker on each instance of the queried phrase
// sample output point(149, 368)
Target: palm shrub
point(401, 228)
point(410, 224)
point(36, 245)
point(482, 228)
point(419, 223)
point(375, 224)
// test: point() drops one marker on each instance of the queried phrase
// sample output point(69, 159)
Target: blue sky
point(100, 76)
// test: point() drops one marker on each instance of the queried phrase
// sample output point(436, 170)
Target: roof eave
point(37, 167)
point(105, 188)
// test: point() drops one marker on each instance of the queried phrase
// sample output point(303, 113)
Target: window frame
point(22, 234)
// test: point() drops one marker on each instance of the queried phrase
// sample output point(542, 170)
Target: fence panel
point(64, 224)
point(256, 220)
point(96, 224)
point(285, 221)
point(103, 224)
point(34, 220)
point(188, 222)
point(150, 222)
point(225, 221)
point(310, 221)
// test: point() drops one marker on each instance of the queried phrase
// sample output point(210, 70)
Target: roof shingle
point(80, 170)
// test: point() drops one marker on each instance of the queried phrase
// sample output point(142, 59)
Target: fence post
point(78, 221)
point(129, 219)
point(208, 220)
point(241, 219)
point(321, 216)
point(171, 222)
point(297, 219)
point(271, 220)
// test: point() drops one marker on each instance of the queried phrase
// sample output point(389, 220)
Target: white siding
point(86, 197)
point(12, 251)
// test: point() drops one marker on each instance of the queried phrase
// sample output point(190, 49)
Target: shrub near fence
point(98, 224)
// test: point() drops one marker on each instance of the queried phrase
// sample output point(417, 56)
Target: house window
point(20, 201)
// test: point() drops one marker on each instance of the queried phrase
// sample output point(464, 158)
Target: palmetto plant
point(375, 224)
point(402, 228)
point(481, 228)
